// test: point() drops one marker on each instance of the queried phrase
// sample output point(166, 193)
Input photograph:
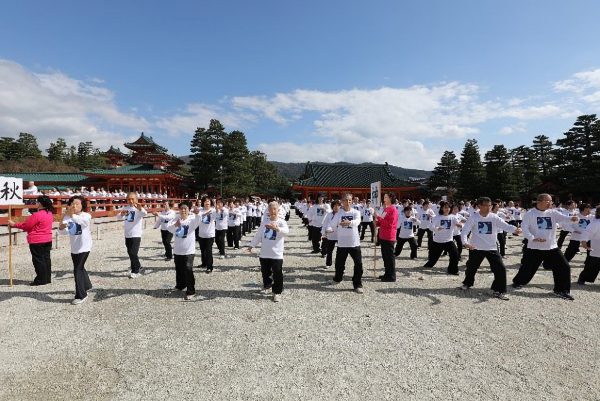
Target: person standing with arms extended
point(346, 224)
point(271, 237)
point(206, 233)
point(539, 227)
point(166, 215)
point(388, 223)
point(221, 226)
point(133, 214)
point(76, 224)
point(38, 227)
point(329, 237)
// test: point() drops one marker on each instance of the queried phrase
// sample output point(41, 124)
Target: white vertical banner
point(376, 198)
point(11, 191)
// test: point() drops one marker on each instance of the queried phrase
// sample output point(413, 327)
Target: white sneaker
point(265, 290)
point(222, 257)
point(134, 275)
point(500, 295)
point(78, 301)
point(276, 297)
point(359, 290)
point(189, 297)
point(464, 287)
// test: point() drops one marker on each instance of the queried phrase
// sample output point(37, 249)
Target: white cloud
point(52, 105)
point(585, 85)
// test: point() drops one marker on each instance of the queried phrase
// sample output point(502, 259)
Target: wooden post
point(10, 270)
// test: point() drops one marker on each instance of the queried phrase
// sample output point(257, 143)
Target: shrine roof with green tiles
point(333, 175)
point(145, 142)
point(138, 169)
point(48, 177)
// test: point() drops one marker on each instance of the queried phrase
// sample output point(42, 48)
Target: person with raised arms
point(221, 226)
point(577, 230)
point(206, 233)
point(316, 215)
point(426, 215)
point(367, 213)
point(590, 241)
point(443, 231)
point(346, 224)
point(539, 227)
point(163, 218)
point(271, 238)
point(406, 223)
point(484, 227)
point(133, 214)
point(233, 225)
point(76, 224)
point(329, 238)
point(183, 226)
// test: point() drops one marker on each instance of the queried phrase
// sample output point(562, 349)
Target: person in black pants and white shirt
point(484, 227)
point(577, 230)
point(570, 210)
point(271, 236)
point(590, 241)
point(316, 215)
point(329, 238)
point(426, 215)
point(221, 226)
point(367, 213)
point(443, 231)
point(234, 231)
point(346, 224)
point(166, 215)
point(184, 229)
point(539, 227)
point(76, 224)
point(133, 214)
point(406, 233)
point(206, 233)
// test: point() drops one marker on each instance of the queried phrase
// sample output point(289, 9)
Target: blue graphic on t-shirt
point(347, 218)
point(544, 223)
point(130, 216)
point(484, 227)
point(446, 224)
point(407, 225)
point(425, 216)
point(74, 228)
point(182, 231)
point(270, 234)
point(320, 212)
point(221, 216)
point(206, 219)
point(583, 223)
point(367, 213)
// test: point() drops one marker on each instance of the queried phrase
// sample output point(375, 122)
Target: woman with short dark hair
point(39, 237)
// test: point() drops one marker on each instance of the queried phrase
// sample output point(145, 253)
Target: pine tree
point(8, 148)
point(237, 173)
point(445, 174)
point(207, 154)
point(471, 173)
point(525, 171)
point(542, 149)
point(498, 173)
point(27, 147)
point(57, 150)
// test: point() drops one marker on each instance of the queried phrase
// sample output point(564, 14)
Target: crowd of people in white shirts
point(480, 227)
point(89, 192)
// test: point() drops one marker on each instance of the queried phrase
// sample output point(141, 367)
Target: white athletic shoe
point(189, 297)
point(359, 290)
point(464, 287)
point(500, 295)
point(134, 275)
point(276, 297)
point(78, 301)
point(265, 290)
point(222, 257)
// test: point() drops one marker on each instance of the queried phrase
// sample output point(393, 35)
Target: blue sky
point(322, 80)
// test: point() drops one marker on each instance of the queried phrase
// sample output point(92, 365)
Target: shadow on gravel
point(6, 282)
point(38, 296)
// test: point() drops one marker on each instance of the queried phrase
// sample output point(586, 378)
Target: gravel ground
point(420, 338)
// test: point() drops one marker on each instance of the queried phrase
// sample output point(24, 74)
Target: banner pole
point(10, 270)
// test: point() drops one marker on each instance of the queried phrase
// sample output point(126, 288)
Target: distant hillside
point(292, 171)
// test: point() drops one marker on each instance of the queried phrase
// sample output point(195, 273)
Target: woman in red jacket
point(39, 237)
point(388, 222)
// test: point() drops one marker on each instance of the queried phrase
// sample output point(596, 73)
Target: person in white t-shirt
point(76, 224)
point(577, 229)
point(164, 217)
point(443, 228)
point(329, 238)
point(206, 233)
point(271, 236)
point(133, 215)
point(590, 241)
point(367, 213)
point(221, 226)
point(406, 233)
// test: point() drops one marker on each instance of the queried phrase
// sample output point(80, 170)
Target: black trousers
point(420, 233)
point(327, 250)
point(82, 280)
point(315, 237)
point(590, 271)
point(572, 250)
point(287, 216)
point(133, 247)
point(272, 273)
point(220, 240)
point(389, 261)
point(502, 243)
point(413, 246)
point(363, 228)
point(496, 265)
point(459, 244)
point(553, 259)
point(310, 232)
point(40, 256)
point(561, 238)
point(167, 236)
point(206, 255)
point(436, 251)
point(256, 220)
point(184, 273)
point(233, 236)
point(340, 265)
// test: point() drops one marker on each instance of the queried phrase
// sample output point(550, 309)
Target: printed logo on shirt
point(544, 223)
point(347, 218)
point(221, 217)
point(367, 212)
point(182, 231)
point(74, 228)
point(446, 224)
point(206, 219)
point(407, 225)
point(517, 213)
point(484, 227)
point(583, 223)
point(320, 212)
point(270, 234)
point(130, 216)
point(425, 216)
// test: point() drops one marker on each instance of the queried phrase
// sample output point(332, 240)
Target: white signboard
point(11, 191)
point(376, 194)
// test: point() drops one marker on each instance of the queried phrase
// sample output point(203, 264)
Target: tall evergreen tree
point(498, 173)
point(27, 147)
point(58, 150)
point(525, 172)
point(445, 174)
point(207, 154)
point(236, 164)
point(471, 174)
point(8, 148)
point(542, 149)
